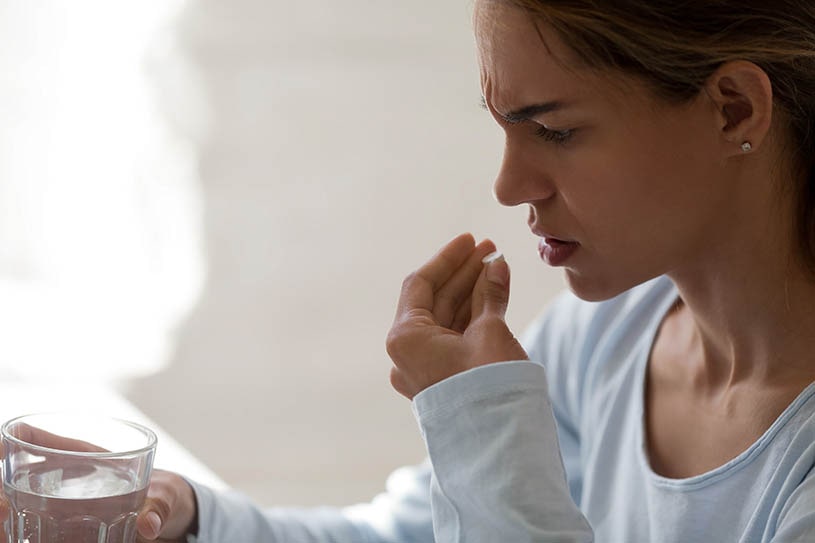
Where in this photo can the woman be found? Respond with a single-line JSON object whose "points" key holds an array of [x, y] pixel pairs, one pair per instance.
{"points": [[665, 152]]}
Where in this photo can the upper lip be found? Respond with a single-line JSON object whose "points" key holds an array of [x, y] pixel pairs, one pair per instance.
{"points": [[549, 236]]}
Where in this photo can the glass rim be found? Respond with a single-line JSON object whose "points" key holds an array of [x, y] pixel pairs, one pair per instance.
{"points": [[152, 439]]}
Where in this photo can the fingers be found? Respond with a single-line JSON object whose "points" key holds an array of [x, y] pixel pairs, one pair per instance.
{"points": [[462, 318], [491, 292], [458, 288], [425, 353], [400, 384], [140, 539], [419, 289], [149, 521], [39, 437], [169, 508]]}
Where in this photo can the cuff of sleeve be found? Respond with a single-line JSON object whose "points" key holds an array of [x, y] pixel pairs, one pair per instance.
{"points": [[205, 503], [475, 384]]}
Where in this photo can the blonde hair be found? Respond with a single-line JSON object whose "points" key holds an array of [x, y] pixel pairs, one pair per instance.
{"points": [[674, 46]]}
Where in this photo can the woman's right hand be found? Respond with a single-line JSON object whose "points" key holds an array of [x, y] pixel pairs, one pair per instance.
{"points": [[170, 510], [450, 317]]}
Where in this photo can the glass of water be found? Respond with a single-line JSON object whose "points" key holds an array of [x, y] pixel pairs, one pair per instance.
{"points": [[71, 478]]}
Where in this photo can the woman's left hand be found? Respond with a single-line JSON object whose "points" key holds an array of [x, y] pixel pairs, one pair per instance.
{"points": [[450, 317]]}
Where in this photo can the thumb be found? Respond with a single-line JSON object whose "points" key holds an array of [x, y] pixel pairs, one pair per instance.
{"points": [[491, 291], [149, 523]]}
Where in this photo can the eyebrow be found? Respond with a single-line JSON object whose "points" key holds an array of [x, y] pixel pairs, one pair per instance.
{"points": [[527, 112]]}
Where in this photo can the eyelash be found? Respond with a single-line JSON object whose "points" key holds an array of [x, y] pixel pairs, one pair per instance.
{"points": [[559, 137]]}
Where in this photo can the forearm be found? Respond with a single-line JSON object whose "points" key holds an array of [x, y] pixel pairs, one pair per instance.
{"points": [[229, 517], [498, 474], [401, 514]]}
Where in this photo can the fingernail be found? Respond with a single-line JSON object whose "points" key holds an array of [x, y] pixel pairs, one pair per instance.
{"points": [[497, 270], [492, 257], [155, 522]]}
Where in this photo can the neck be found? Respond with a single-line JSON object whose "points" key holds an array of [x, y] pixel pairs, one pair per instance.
{"points": [[749, 314]]}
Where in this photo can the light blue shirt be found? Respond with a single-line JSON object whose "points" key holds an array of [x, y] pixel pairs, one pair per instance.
{"points": [[504, 471]]}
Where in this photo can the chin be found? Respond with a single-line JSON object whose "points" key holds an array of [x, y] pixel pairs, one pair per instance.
{"points": [[598, 288]]}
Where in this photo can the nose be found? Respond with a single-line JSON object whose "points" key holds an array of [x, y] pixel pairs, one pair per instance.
{"points": [[520, 179]]}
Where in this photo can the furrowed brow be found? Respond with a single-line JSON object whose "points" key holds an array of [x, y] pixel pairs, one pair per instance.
{"points": [[527, 112]]}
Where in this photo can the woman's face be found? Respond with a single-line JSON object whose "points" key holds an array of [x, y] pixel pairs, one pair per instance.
{"points": [[621, 187]]}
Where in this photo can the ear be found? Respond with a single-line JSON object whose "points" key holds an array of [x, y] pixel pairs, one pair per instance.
{"points": [[743, 96]]}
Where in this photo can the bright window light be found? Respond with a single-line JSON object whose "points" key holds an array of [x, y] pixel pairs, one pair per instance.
{"points": [[100, 251]]}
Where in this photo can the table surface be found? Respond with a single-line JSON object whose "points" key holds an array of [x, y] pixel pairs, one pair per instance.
{"points": [[23, 398]]}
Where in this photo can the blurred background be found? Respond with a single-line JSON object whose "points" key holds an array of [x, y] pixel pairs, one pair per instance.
{"points": [[210, 206]]}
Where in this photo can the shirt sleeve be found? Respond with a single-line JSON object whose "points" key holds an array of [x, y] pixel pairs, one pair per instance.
{"points": [[518, 470], [497, 470], [401, 514], [552, 341]]}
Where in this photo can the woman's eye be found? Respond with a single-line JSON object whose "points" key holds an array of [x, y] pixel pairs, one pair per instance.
{"points": [[555, 136]]}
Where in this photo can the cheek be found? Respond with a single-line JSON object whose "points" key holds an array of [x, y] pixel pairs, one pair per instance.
{"points": [[638, 183], [632, 198]]}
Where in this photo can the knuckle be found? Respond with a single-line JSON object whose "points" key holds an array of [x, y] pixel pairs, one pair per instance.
{"points": [[392, 343], [397, 382], [409, 280], [495, 296], [162, 506], [401, 384], [495, 292], [396, 342]]}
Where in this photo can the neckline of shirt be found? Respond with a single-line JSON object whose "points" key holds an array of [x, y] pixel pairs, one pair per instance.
{"points": [[740, 461]]}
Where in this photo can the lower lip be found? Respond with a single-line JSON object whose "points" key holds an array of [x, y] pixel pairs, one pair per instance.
{"points": [[556, 253]]}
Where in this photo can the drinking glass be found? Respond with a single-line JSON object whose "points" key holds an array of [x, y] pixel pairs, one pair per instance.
{"points": [[74, 478]]}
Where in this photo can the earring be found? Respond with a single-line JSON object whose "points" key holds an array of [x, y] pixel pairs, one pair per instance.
{"points": [[746, 147]]}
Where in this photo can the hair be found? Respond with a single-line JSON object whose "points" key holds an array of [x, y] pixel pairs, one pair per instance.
{"points": [[675, 46]]}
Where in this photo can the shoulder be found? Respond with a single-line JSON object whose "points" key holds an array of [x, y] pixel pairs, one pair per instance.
{"points": [[790, 464]]}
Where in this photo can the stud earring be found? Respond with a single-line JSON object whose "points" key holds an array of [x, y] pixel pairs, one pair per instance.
{"points": [[746, 147]]}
